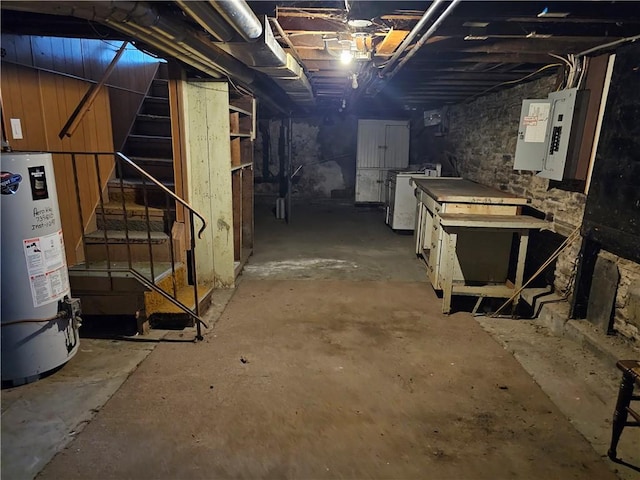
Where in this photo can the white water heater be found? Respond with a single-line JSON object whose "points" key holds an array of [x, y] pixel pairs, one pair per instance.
{"points": [[39, 319]]}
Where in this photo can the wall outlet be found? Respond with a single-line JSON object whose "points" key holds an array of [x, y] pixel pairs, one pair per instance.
{"points": [[16, 129]]}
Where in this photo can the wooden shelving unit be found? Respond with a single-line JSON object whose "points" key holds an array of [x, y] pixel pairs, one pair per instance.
{"points": [[242, 130]]}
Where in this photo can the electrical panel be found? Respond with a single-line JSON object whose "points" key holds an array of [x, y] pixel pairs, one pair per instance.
{"points": [[550, 132], [565, 131], [532, 135]]}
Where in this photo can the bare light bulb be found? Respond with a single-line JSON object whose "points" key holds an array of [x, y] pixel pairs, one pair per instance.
{"points": [[345, 57]]}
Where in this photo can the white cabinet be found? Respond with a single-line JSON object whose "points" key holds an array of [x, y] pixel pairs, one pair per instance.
{"points": [[383, 145], [400, 201]]}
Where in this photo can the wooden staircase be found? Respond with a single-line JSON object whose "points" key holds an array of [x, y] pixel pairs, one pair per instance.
{"points": [[131, 247]]}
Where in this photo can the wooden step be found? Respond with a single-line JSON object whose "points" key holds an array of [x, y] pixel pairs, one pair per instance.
{"points": [[162, 313], [156, 146], [118, 250], [146, 124], [133, 192], [159, 168], [88, 281], [155, 106], [163, 71], [113, 217], [159, 88]]}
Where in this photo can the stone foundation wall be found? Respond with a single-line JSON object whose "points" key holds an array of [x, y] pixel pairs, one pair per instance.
{"points": [[626, 318], [480, 142], [326, 150]]}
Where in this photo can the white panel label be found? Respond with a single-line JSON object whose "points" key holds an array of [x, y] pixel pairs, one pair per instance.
{"points": [[46, 267], [535, 123]]}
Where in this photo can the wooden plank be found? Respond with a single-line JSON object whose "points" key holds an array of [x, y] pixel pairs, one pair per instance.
{"points": [[594, 83], [391, 42], [247, 209], [236, 187], [465, 191], [236, 155], [492, 221], [480, 209], [208, 162]]}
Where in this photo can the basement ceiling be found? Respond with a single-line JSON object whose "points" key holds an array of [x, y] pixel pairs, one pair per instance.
{"points": [[479, 47]]}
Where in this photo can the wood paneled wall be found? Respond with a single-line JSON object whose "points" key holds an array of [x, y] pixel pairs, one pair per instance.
{"points": [[88, 59], [43, 102]]}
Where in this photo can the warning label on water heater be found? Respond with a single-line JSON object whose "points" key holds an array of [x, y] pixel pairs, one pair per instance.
{"points": [[47, 268]]}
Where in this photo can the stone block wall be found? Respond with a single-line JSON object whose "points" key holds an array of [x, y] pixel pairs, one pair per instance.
{"points": [[480, 142], [325, 147], [482, 137]]}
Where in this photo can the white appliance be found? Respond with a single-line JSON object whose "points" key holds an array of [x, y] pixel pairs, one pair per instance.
{"points": [[39, 319], [400, 201], [383, 145]]}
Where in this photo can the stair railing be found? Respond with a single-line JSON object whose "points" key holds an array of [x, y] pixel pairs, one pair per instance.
{"points": [[149, 279]]}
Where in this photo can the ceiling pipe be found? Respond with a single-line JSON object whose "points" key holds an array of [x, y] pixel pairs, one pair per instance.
{"points": [[240, 17], [424, 38], [412, 34], [208, 19]]}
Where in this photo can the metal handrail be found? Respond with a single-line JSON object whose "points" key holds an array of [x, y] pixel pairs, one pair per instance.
{"points": [[165, 190], [120, 161]]}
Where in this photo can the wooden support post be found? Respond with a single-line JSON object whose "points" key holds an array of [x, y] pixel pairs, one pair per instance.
{"points": [[447, 287]]}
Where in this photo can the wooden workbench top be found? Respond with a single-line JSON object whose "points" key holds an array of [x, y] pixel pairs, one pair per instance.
{"points": [[460, 190]]}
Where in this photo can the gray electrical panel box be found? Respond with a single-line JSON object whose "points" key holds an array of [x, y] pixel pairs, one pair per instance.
{"points": [[550, 132], [532, 135]]}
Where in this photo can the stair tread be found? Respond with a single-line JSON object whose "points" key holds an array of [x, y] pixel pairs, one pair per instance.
{"points": [[156, 99], [138, 136], [141, 159], [117, 236], [160, 269], [116, 207], [151, 116], [185, 296], [134, 182]]}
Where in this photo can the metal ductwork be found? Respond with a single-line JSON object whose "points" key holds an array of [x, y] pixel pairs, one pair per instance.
{"points": [[208, 19], [240, 17], [267, 56], [168, 34], [264, 53]]}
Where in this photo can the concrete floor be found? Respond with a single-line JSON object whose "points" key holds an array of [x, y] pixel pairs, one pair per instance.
{"points": [[352, 373]]}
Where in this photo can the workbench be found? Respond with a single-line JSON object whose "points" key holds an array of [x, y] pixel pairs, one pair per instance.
{"points": [[464, 233]]}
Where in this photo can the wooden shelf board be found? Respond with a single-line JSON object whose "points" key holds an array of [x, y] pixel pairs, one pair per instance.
{"points": [[241, 166], [233, 108]]}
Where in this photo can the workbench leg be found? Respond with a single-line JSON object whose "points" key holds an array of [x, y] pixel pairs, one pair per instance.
{"points": [[419, 229], [447, 287], [522, 256]]}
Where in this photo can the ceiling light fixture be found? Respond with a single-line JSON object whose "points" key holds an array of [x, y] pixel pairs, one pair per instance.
{"points": [[345, 57], [359, 23], [476, 37]]}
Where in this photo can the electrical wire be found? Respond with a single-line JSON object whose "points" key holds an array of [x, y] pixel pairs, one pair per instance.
{"points": [[551, 65], [585, 66]]}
